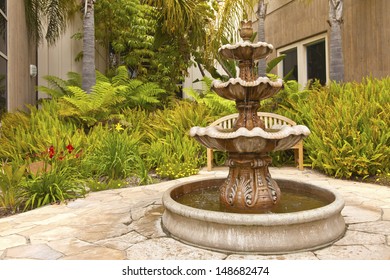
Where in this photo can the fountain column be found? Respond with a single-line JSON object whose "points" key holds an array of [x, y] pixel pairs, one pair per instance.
{"points": [[249, 185]]}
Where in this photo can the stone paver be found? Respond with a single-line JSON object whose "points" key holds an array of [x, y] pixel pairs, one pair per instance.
{"points": [[126, 224], [354, 252], [293, 256], [386, 213], [169, 249], [12, 241], [358, 214], [352, 237], [32, 251]]}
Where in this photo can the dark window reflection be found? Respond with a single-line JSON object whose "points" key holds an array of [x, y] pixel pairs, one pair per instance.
{"points": [[3, 6], [316, 62], [290, 65], [3, 34]]}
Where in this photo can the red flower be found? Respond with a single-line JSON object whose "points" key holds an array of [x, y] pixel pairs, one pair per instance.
{"points": [[69, 148], [51, 152]]}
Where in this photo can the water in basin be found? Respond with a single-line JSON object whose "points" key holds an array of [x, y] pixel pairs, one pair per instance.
{"points": [[291, 201]]}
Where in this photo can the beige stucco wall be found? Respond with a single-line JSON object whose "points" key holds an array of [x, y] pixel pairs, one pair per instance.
{"points": [[59, 59], [366, 38], [366, 32], [21, 86]]}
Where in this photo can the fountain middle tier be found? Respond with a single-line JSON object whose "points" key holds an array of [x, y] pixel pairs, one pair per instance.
{"points": [[238, 89]]}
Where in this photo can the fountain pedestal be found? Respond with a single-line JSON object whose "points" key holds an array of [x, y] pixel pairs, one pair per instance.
{"points": [[249, 185]]}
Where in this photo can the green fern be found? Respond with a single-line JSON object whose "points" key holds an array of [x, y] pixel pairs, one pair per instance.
{"points": [[135, 92], [89, 109], [58, 87]]}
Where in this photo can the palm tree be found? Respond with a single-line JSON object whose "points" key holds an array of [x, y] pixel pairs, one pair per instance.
{"points": [[53, 13], [261, 14], [88, 71], [336, 62]]}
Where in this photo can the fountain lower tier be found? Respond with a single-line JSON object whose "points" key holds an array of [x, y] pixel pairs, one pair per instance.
{"points": [[249, 185], [243, 140], [254, 233]]}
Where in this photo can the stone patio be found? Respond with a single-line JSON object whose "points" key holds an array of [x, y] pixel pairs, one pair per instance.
{"points": [[125, 224]]}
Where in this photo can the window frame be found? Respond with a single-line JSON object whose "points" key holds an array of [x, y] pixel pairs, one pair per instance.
{"points": [[301, 47]]}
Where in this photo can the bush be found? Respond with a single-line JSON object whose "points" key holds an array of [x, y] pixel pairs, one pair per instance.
{"points": [[11, 178], [114, 153], [349, 126], [54, 176], [171, 150]]}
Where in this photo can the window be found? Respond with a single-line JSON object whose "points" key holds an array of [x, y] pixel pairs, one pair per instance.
{"points": [[3, 56], [306, 60], [290, 64], [3, 6], [3, 34], [316, 62]]}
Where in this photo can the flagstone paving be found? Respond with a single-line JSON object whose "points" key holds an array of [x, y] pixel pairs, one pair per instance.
{"points": [[126, 224]]}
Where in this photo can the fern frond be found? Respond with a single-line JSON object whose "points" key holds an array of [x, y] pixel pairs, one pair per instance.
{"points": [[101, 77], [74, 79], [121, 77]]}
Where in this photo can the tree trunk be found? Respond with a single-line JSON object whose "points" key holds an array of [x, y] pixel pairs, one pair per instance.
{"points": [[336, 61], [261, 14], [89, 75]]}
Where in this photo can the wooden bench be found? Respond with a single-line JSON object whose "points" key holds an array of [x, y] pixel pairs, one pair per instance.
{"points": [[270, 120]]}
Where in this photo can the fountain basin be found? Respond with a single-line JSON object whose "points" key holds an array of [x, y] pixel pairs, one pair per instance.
{"points": [[244, 140], [254, 233]]}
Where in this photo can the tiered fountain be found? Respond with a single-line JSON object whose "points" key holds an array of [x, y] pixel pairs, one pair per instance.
{"points": [[251, 214]]}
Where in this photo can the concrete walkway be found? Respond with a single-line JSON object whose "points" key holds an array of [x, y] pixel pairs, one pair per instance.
{"points": [[126, 224]]}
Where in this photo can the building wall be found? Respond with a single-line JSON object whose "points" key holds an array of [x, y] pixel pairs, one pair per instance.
{"points": [[59, 59], [366, 32], [366, 38], [21, 54]]}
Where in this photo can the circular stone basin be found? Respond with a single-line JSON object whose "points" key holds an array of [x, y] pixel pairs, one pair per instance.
{"points": [[266, 233]]}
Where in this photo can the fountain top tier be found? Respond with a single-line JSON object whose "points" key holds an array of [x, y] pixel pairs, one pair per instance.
{"points": [[248, 86], [246, 50]]}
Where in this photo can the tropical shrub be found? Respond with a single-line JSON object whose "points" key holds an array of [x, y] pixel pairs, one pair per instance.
{"points": [[106, 100], [102, 185], [114, 153], [54, 176], [11, 177], [24, 135], [349, 126], [170, 146], [59, 184]]}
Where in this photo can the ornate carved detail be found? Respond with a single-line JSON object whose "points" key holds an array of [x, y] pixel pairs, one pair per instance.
{"points": [[271, 184], [249, 184]]}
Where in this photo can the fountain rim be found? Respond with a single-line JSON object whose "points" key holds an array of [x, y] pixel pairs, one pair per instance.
{"points": [[242, 219], [246, 44], [220, 133], [260, 80]]}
